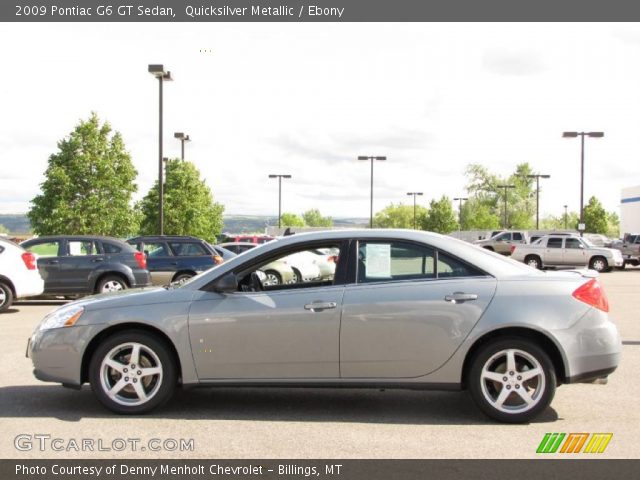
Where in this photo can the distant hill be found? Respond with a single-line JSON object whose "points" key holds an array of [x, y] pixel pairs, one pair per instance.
{"points": [[19, 223]]}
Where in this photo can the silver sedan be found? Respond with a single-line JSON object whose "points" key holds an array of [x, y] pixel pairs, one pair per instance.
{"points": [[404, 309]]}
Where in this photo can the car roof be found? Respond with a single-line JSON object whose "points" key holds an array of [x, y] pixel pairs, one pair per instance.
{"points": [[164, 237], [225, 244], [73, 237]]}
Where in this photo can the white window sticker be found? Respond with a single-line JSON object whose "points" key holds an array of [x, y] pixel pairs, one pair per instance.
{"points": [[378, 259]]}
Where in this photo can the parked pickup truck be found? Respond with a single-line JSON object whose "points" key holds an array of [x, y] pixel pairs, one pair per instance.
{"points": [[503, 241], [567, 250], [630, 249]]}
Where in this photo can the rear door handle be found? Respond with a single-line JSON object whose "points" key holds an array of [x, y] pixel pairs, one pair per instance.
{"points": [[99, 259], [319, 306], [460, 297], [52, 262]]}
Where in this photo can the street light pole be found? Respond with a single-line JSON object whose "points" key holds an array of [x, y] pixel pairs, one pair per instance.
{"points": [[279, 177], [538, 176], [565, 216], [460, 200], [505, 202], [371, 158], [183, 138], [582, 135], [159, 72], [414, 206]]}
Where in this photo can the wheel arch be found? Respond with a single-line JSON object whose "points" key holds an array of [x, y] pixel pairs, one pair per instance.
{"points": [[9, 283], [541, 339], [95, 341]]}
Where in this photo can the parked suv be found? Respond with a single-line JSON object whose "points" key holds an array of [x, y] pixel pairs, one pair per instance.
{"points": [[630, 249], [19, 276], [175, 258], [502, 242], [81, 264]]}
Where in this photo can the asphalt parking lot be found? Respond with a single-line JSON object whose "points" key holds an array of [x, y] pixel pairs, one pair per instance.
{"points": [[315, 423]]}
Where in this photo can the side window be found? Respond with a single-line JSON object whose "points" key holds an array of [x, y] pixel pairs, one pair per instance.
{"points": [[110, 248], [554, 243], [517, 236], [184, 249], [44, 249], [78, 248], [385, 261], [156, 249], [449, 267], [309, 267], [504, 237], [572, 243]]}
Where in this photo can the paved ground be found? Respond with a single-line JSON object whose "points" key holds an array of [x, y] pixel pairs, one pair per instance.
{"points": [[279, 423]]}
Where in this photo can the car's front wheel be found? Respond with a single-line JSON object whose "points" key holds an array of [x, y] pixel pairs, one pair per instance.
{"points": [[599, 264], [132, 372], [6, 296], [533, 261], [512, 380], [111, 283]]}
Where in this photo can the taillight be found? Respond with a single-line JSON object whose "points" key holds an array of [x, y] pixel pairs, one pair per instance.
{"points": [[332, 259], [217, 259], [513, 248], [592, 294], [29, 260], [141, 259]]}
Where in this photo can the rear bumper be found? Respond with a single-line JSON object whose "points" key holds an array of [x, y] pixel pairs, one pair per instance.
{"points": [[29, 284], [588, 377], [141, 278]]}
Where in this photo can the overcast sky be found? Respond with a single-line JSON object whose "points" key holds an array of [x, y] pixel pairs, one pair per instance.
{"points": [[307, 99]]}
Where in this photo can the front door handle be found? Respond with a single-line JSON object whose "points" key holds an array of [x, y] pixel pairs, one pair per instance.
{"points": [[99, 259], [460, 297], [52, 262], [320, 306]]}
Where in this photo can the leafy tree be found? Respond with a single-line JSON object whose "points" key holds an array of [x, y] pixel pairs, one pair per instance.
{"points": [[441, 217], [88, 185], [399, 216], [553, 222], [3, 229], [477, 215], [613, 222], [313, 218], [189, 208], [291, 220], [595, 217]]}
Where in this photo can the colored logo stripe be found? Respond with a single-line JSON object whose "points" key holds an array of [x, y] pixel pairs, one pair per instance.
{"points": [[550, 442], [598, 442], [574, 442]]}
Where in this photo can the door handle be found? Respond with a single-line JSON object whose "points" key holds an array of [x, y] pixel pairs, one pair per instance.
{"points": [[52, 262], [174, 263], [460, 297], [99, 259], [319, 306]]}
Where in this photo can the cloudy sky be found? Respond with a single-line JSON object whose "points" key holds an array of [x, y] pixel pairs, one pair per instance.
{"points": [[307, 99]]}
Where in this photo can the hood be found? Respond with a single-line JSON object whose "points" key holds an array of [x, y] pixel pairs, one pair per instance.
{"points": [[135, 296]]}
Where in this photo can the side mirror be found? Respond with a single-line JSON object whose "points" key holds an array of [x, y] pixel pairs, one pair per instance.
{"points": [[226, 284]]}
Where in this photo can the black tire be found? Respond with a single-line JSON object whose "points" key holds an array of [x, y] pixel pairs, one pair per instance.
{"points": [[273, 277], [489, 248], [6, 296], [297, 277], [163, 387], [543, 385], [599, 264], [533, 261], [183, 276], [103, 285]]}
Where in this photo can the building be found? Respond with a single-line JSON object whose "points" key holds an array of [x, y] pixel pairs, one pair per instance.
{"points": [[630, 210]]}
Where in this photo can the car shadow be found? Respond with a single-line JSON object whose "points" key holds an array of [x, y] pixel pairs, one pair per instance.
{"points": [[409, 407], [36, 303]]}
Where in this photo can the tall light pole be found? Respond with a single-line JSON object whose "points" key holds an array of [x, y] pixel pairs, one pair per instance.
{"points": [[159, 72], [414, 206], [538, 176], [506, 187], [183, 138], [460, 200], [565, 216], [279, 177], [582, 135], [372, 158]]}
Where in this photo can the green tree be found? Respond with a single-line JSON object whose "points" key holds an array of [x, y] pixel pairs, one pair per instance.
{"points": [[313, 218], [477, 215], [292, 220], [88, 185], [553, 222], [399, 216], [3, 229], [613, 225], [595, 217], [441, 217], [189, 208]]}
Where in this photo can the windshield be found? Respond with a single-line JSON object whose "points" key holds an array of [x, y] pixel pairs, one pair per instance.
{"points": [[588, 242]]}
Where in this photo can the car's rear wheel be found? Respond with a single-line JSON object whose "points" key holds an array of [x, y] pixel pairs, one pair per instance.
{"points": [[111, 283], [182, 277], [533, 261], [273, 278], [512, 380], [132, 372], [6, 296], [599, 264], [297, 277]]}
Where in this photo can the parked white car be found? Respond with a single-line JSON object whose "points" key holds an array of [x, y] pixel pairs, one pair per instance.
{"points": [[304, 266], [19, 275]]}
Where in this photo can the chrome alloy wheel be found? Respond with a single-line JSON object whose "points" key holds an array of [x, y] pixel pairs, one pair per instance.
{"points": [[512, 381], [131, 374], [272, 279], [3, 297], [599, 265], [112, 286]]}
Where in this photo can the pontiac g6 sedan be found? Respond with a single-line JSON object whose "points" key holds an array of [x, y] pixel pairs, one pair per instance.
{"points": [[404, 309]]}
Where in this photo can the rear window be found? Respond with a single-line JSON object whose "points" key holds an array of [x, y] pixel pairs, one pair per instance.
{"points": [[183, 249], [111, 248], [517, 236], [44, 249]]}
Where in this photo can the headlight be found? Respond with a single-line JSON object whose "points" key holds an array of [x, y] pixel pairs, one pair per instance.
{"points": [[63, 317]]}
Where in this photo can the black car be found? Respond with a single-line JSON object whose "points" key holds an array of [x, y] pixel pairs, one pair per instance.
{"points": [[173, 258], [83, 264]]}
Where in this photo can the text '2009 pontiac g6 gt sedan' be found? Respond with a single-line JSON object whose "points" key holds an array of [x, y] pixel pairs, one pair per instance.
{"points": [[404, 309]]}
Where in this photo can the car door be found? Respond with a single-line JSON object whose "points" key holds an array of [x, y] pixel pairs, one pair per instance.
{"points": [[80, 257], [408, 310], [191, 256], [162, 265], [289, 331], [503, 243], [574, 252], [554, 252], [48, 253]]}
